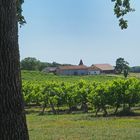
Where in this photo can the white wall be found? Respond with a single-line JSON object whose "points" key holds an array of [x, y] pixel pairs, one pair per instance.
{"points": [[94, 72]]}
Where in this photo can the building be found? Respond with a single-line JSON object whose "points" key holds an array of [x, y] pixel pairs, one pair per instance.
{"points": [[49, 70], [101, 68], [72, 70], [80, 69], [93, 70]]}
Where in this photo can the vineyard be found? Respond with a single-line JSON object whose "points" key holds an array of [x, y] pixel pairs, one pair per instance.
{"points": [[39, 76], [57, 96]]}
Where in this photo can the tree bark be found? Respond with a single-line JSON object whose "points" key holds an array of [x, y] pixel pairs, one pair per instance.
{"points": [[12, 116]]}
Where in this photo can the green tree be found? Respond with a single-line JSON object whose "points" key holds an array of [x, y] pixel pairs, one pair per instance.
{"points": [[121, 8], [121, 65], [19, 15], [30, 63], [126, 72], [44, 65]]}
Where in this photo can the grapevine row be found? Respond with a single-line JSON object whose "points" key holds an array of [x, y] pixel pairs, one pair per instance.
{"points": [[120, 93]]}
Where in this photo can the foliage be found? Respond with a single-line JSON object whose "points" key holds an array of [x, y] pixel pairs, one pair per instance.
{"points": [[30, 63], [47, 64], [121, 8], [40, 76], [125, 72], [99, 98], [122, 66], [123, 93], [20, 17]]}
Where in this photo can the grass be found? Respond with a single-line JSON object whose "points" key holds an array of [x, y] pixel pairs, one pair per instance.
{"points": [[39, 76], [79, 126], [137, 75], [82, 127]]}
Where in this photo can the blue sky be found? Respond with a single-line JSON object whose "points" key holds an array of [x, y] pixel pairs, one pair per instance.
{"points": [[66, 31]]}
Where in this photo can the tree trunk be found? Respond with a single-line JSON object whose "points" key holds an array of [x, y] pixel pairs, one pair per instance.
{"points": [[124, 106], [116, 110], [105, 111], [84, 107], [96, 112], [12, 115], [43, 108], [52, 107]]}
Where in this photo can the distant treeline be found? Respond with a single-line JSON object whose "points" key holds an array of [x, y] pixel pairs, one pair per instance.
{"points": [[31, 63], [135, 69]]}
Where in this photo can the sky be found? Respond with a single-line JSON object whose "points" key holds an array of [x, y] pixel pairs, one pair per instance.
{"points": [[66, 31]]}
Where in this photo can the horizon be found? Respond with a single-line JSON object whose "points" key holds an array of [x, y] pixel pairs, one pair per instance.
{"points": [[78, 63], [67, 31]]}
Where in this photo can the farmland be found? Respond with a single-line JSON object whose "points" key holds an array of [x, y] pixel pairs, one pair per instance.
{"points": [[78, 125], [82, 127], [39, 76]]}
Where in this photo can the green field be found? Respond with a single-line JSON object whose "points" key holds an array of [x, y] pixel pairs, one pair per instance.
{"points": [[78, 126], [39, 76], [82, 127]]}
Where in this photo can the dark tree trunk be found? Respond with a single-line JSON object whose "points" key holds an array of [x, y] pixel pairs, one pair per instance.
{"points": [[43, 108], [96, 112], [124, 106], [52, 107], [84, 107], [105, 111], [116, 110], [12, 115]]}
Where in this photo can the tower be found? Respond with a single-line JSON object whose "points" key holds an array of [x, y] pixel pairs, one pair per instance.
{"points": [[81, 62]]}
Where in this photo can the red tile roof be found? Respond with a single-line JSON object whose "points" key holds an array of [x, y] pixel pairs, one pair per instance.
{"points": [[93, 68], [104, 66], [73, 67]]}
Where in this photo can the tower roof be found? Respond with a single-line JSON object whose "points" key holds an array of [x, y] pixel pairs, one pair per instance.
{"points": [[81, 62]]}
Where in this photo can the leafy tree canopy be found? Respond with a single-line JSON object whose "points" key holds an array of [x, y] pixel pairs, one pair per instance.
{"points": [[121, 66], [20, 17], [121, 8], [30, 63]]}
